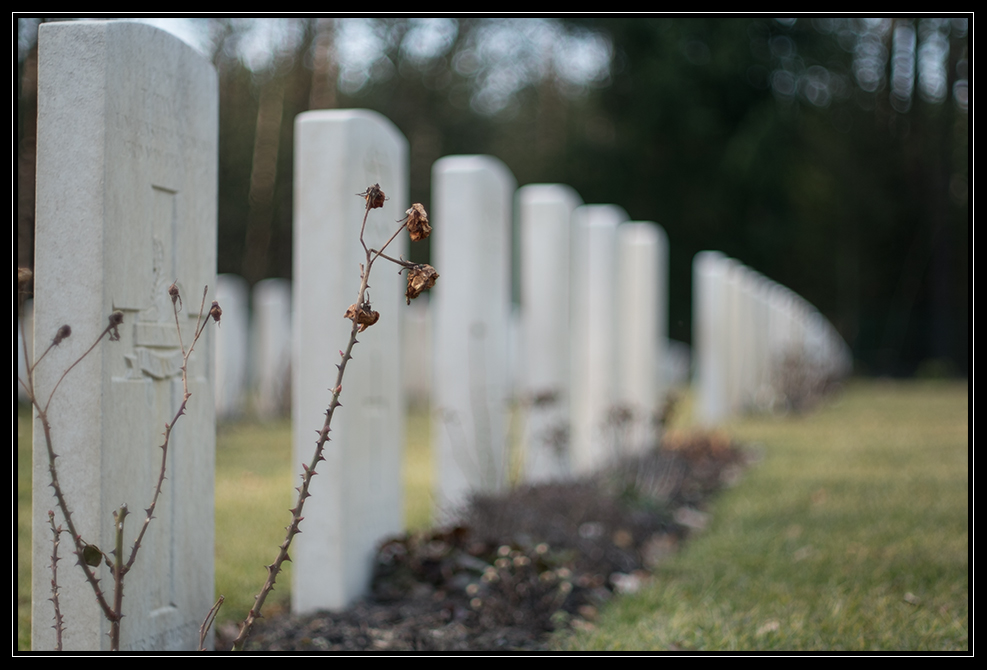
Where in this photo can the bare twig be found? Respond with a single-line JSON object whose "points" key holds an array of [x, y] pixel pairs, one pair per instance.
{"points": [[208, 622], [83, 550]]}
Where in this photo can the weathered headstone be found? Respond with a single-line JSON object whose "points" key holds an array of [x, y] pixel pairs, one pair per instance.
{"points": [[545, 211], [416, 358], [593, 317], [232, 359], [271, 347], [709, 336], [126, 204], [641, 331], [357, 497], [472, 211]]}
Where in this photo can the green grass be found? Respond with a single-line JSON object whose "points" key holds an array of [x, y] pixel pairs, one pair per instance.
{"points": [[851, 534], [254, 491], [24, 529]]}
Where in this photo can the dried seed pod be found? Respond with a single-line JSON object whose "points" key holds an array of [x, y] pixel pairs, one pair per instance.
{"points": [[374, 197], [116, 318], [63, 332], [175, 297], [362, 315], [420, 278], [418, 222]]}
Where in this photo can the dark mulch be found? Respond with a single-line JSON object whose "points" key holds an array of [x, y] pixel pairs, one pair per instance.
{"points": [[525, 563]]}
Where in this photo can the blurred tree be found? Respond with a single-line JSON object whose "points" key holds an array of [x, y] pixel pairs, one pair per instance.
{"points": [[830, 154]]}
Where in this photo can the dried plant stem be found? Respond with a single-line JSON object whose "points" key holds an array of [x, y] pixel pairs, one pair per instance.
{"points": [[80, 545], [59, 622], [119, 569], [208, 622], [200, 325], [407, 264], [310, 469]]}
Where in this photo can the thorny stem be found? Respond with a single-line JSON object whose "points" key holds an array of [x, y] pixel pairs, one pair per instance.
{"points": [[59, 622], [200, 325], [114, 614], [309, 470], [108, 612], [118, 572]]}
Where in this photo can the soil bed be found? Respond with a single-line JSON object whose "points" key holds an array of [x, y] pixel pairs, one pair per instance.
{"points": [[523, 564]]}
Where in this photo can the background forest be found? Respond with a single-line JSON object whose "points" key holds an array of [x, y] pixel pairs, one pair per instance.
{"points": [[830, 154]]}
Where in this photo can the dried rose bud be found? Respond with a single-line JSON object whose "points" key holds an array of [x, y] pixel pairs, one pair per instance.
{"points": [[374, 197], [215, 312], [116, 318], [63, 332], [420, 278], [362, 315], [175, 297], [418, 222]]}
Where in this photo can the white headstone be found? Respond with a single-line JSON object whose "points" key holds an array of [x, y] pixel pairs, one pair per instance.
{"points": [[272, 347], [641, 329], [472, 213], [546, 211], [357, 497], [759, 346], [417, 353], [593, 340], [709, 336], [126, 204], [232, 360]]}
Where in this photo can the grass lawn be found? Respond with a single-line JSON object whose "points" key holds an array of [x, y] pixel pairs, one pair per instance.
{"points": [[851, 534], [254, 491]]}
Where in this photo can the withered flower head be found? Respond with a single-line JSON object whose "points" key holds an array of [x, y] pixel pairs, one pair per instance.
{"points": [[418, 222], [362, 315], [374, 197], [63, 332], [175, 297], [116, 318], [420, 278]]}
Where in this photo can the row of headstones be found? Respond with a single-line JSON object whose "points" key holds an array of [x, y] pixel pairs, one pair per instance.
{"points": [[757, 346], [138, 109], [589, 344], [253, 348]]}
